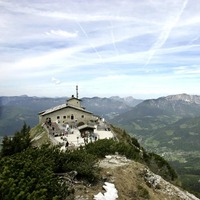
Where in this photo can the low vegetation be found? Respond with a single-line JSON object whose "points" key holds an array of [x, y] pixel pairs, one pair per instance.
{"points": [[176, 140], [19, 142], [37, 173]]}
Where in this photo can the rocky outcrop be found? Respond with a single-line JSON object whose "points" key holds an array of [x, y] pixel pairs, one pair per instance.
{"points": [[158, 184], [122, 179]]}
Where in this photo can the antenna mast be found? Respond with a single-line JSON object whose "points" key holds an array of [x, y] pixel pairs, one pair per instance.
{"points": [[77, 91]]}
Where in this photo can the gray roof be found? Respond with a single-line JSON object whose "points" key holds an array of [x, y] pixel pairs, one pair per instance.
{"points": [[85, 126], [60, 107]]}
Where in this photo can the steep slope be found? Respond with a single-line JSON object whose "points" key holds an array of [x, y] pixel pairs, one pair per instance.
{"points": [[134, 181], [170, 127], [167, 121], [183, 135], [173, 106], [179, 143]]}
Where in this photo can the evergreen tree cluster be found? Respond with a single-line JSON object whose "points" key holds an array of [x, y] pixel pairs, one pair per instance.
{"points": [[19, 142], [35, 173]]}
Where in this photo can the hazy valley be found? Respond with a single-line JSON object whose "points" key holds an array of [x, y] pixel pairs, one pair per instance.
{"points": [[170, 127]]}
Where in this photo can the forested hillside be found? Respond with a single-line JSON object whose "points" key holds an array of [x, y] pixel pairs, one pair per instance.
{"points": [[170, 127], [37, 173]]}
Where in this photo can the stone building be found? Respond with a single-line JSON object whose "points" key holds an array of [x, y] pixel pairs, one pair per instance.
{"points": [[71, 113]]}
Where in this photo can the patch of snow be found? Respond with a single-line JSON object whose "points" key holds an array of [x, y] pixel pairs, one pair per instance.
{"points": [[108, 156], [110, 194]]}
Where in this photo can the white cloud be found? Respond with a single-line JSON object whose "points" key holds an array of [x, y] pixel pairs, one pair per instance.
{"points": [[55, 81], [188, 70], [61, 33], [100, 44]]}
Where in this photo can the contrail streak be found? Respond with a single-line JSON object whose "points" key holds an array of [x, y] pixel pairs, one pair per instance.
{"points": [[113, 39], [165, 33], [86, 35]]}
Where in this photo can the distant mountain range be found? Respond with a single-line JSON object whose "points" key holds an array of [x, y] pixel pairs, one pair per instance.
{"points": [[109, 107], [16, 110], [182, 105], [169, 126], [137, 114], [167, 120]]}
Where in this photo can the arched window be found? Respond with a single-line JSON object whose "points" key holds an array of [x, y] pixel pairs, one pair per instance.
{"points": [[72, 117]]}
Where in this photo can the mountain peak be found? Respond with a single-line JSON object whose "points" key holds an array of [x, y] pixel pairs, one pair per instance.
{"points": [[184, 97]]}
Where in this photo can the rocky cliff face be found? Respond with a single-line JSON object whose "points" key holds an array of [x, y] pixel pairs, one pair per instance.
{"points": [[180, 105], [132, 180], [184, 97]]}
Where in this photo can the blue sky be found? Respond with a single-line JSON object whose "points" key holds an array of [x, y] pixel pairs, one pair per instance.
{"points": [[145, 49]]}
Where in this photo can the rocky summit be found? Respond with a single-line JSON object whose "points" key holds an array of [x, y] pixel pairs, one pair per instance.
{"points": [[132, 180]]}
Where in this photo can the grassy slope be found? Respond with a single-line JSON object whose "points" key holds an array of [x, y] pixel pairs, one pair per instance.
{"points": [[39, 136], [177, 142]]}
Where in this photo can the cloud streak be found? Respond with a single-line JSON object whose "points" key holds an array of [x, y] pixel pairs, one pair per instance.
{"points": [[61, 33], [120, 47], [165, 32]]}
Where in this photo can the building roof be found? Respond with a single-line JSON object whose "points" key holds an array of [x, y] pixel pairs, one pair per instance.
{"points": [[60, 107], [73, 98], [85, 126]]}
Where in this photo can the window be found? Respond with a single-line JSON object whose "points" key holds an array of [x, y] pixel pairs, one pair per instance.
{"points": [[64, 117], [58, 117], [68, 116], [72, 117], [82, 116]]}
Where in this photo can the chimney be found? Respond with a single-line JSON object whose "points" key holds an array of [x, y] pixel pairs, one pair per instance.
{"points": [[77, 91]]}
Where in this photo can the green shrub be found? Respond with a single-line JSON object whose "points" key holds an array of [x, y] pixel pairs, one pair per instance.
{"points": [[29, 175], [18, 143], [104, 147], [160, 166], [83, 163], [101, 148], [131, 148], [142, 192]]}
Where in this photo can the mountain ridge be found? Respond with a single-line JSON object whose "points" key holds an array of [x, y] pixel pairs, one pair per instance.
{"points": [[184, 97], [155, 122], [20, 109], [169, 126], [107, 108], [181, 105]]}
